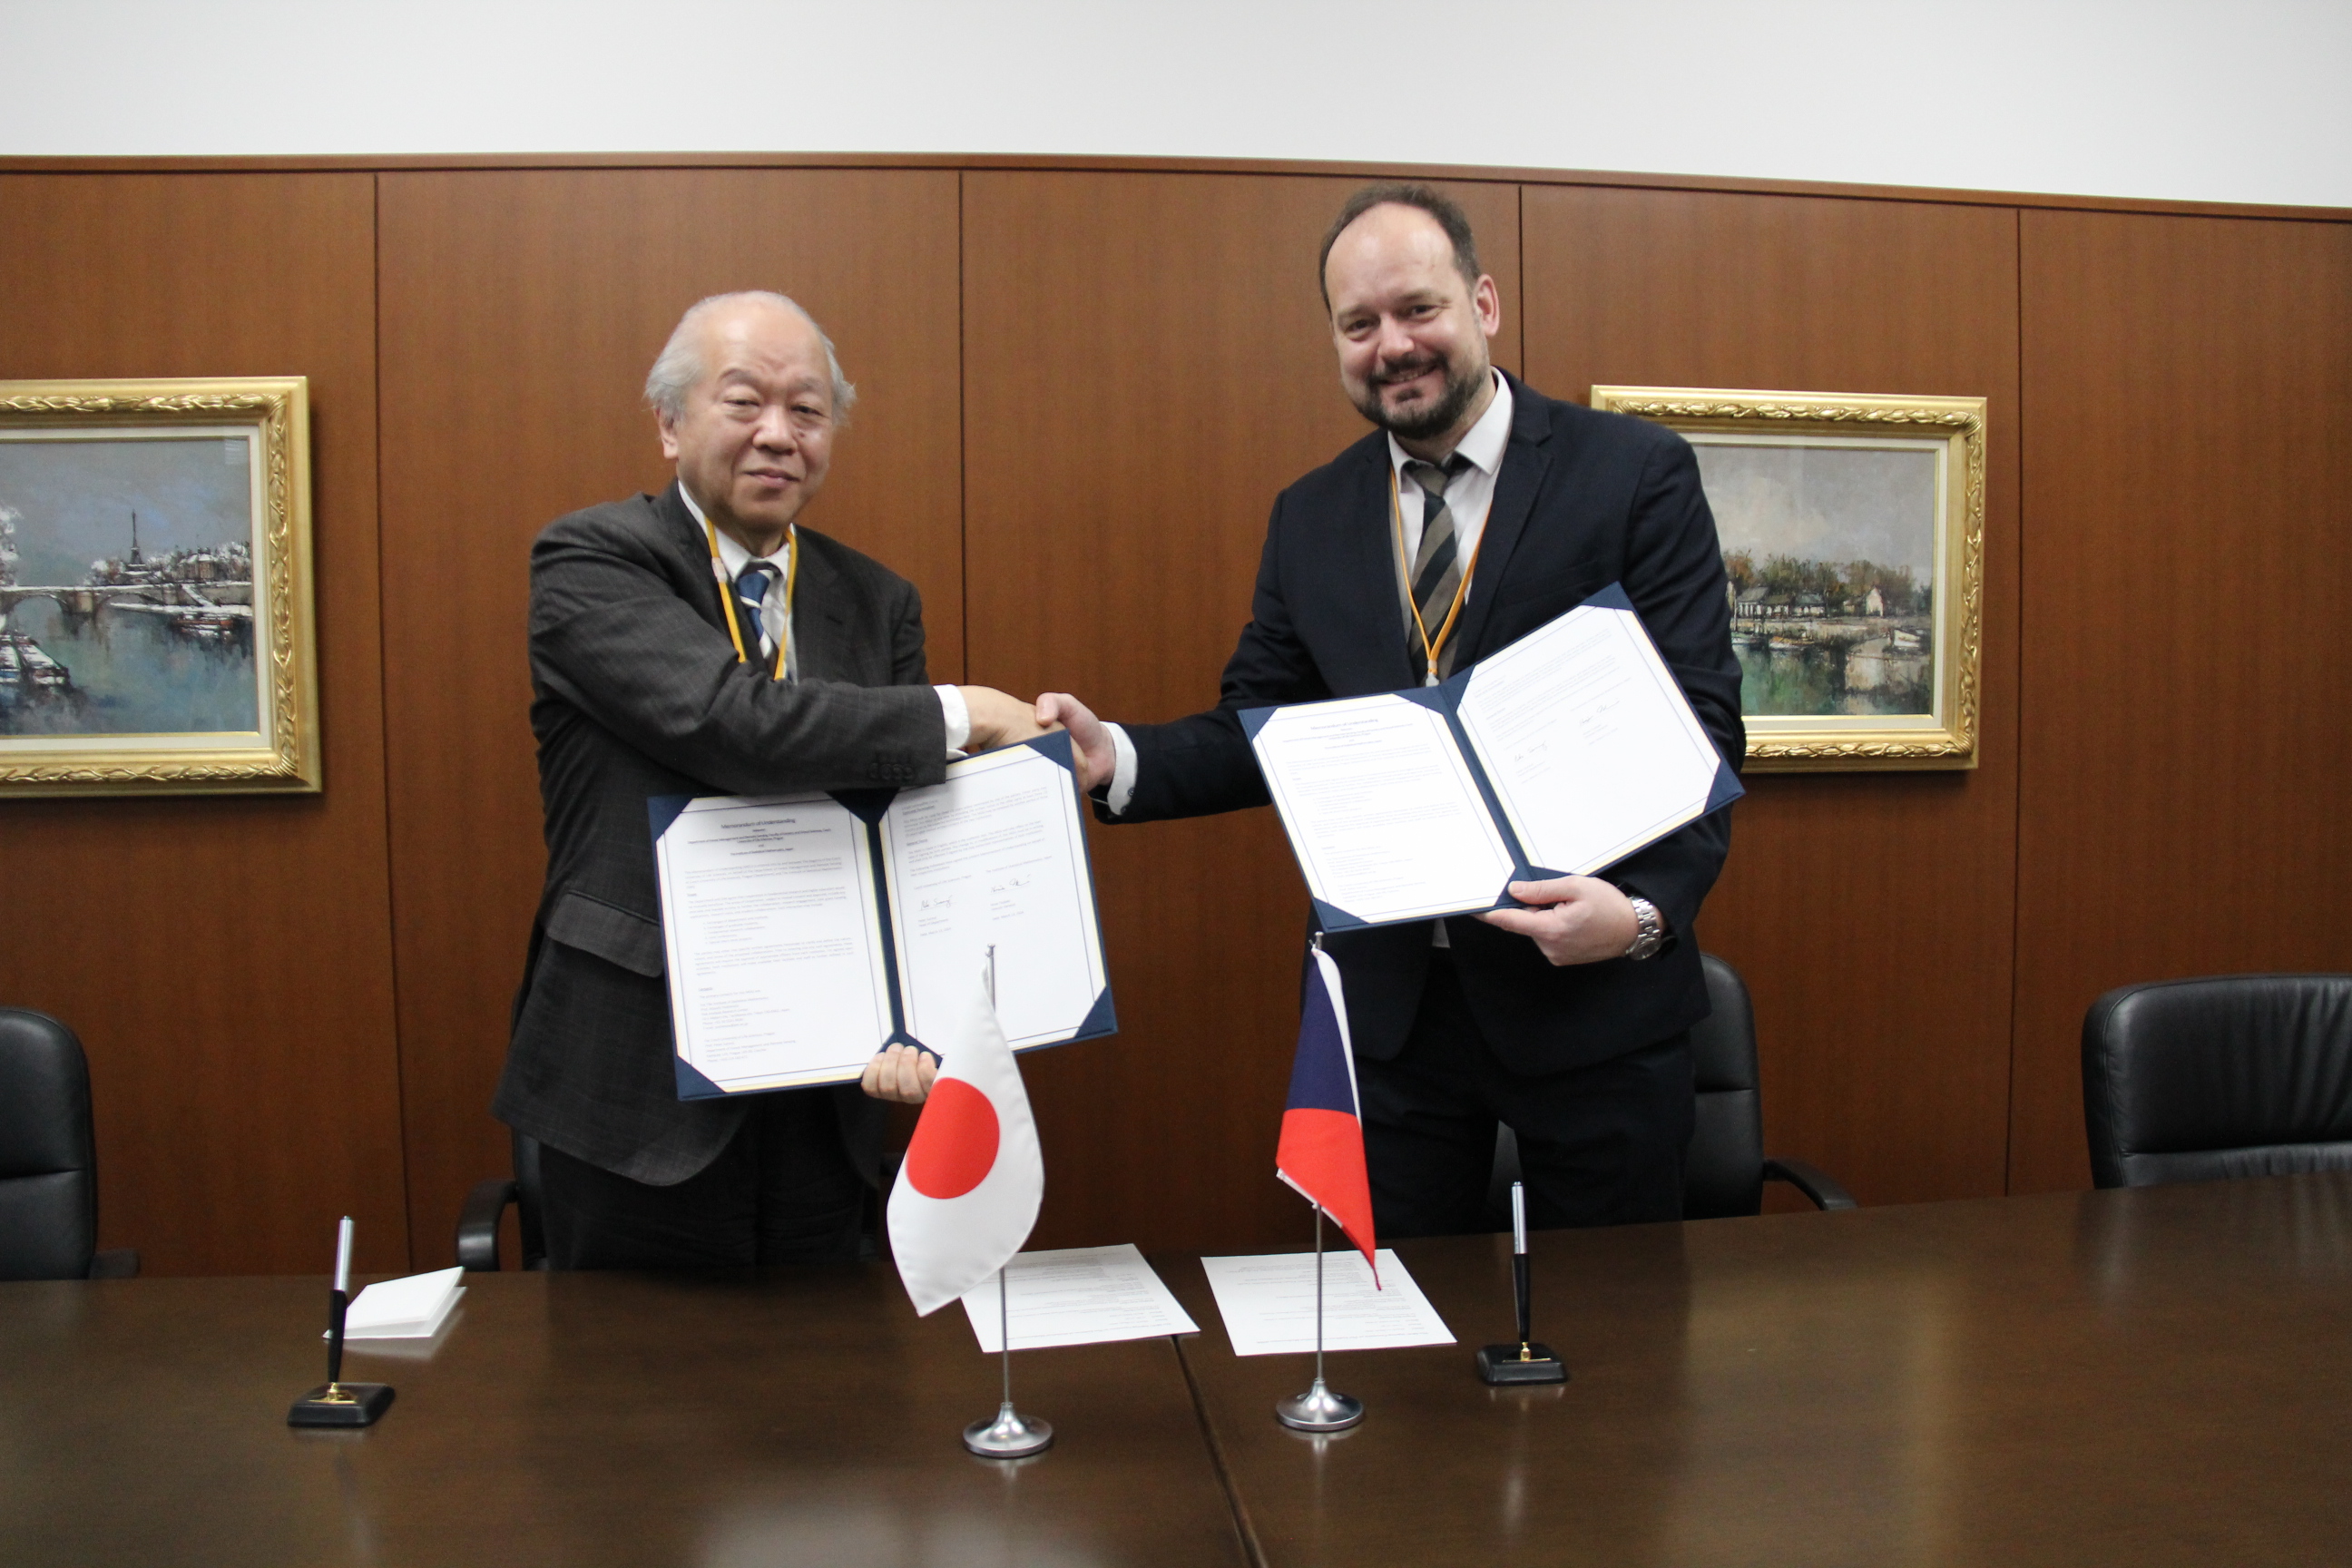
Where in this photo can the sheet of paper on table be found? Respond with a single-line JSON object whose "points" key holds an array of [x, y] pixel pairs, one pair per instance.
{"points": [[1076, 1296], [1269, 1303], [412, 1308]]}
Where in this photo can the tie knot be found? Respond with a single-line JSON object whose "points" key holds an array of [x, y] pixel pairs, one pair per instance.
{"points": [[751, 584], [1434, 477]]}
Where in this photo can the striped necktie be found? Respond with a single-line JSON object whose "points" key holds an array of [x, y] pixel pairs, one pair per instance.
{"points": [[1437, 564], [751, 586]]}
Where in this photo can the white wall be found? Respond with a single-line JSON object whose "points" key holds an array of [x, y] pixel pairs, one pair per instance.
{"points": [[2245, 101]]}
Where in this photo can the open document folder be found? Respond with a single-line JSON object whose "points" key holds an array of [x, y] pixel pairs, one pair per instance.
{"points": [[1559, 756], [805, 932]]}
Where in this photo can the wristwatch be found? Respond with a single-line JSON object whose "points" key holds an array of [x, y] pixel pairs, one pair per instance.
{"points": [[1649, 929]]}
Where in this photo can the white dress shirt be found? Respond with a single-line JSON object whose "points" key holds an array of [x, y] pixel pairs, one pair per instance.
{"points": [[1469, 495], [776, 614]]}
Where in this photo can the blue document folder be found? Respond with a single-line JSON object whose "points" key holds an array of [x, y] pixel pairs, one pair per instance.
{"points": [[800, 942]]}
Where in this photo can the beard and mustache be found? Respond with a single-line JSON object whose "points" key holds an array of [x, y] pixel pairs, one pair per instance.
{"points": [[1461, 385]]}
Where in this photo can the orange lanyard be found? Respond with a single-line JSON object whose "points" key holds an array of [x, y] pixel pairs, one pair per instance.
{"points": [[727, 594], [1430, 647]]}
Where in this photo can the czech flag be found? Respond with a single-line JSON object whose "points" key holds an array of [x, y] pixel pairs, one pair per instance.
{"points": [[1322, 1147], [968, 1189]]}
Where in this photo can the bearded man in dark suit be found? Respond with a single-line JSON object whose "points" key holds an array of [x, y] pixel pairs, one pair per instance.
{"points": [[1482, 504], [701, 642]]}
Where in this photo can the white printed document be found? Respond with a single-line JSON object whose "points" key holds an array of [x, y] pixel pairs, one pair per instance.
{"points": [[996, 856], [803, 933], [1076, 1296], [1382, 809], [1561, 754], [1269, 1303]]}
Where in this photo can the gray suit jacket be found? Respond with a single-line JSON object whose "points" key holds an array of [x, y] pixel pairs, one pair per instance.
{"points": [[637, 692]]}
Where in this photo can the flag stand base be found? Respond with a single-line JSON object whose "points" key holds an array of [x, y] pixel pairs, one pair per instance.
{"points": [[1011, 1436], [1318, 1410]]}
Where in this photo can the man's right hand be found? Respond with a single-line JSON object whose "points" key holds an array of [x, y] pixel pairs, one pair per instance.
{"points": [[1089, 737], [998, 718]]}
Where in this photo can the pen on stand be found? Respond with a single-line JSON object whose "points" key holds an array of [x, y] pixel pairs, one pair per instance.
{"points": [[338, 1302], [336, 1403], [1519, 1266], [1525, 1362]]}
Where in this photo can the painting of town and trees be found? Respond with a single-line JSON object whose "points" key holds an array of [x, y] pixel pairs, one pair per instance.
{"points": [[1831, 551], [126, 583]]}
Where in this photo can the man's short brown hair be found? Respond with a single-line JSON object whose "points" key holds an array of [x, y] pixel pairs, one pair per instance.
{"points": [[1404, 194]]}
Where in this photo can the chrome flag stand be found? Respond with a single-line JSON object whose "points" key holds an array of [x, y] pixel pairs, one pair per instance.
{"points": [[1319, 1409], [1011, 1436]]}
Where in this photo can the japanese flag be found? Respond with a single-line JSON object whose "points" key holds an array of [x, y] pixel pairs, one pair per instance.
{"points": [[968, 1189]]}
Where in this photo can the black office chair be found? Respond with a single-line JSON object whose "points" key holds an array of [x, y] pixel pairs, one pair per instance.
{"points": [[1725, 1168], [2238, 1075], [48, 1157], [485, 1206]]}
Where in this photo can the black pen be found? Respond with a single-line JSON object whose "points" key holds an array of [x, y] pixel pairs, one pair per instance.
{"points": [[339, 1301], [1520, 1266]]}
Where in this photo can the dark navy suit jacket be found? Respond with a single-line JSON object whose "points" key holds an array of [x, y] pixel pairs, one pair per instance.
{"points": [[1584, 499]]}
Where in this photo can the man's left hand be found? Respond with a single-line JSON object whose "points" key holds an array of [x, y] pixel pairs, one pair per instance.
{"points": [[901, 1073], [1579, 920]]}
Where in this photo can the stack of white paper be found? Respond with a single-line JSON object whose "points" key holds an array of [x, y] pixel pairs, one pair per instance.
{"points": [[1076, 1296], [1269, 1303], [409, 1309]]}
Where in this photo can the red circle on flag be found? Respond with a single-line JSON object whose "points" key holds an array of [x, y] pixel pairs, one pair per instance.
{"points": [[954, 1145]]}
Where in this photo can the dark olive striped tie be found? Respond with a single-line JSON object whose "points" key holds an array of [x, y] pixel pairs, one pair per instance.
{"points": [[1437, 564]]}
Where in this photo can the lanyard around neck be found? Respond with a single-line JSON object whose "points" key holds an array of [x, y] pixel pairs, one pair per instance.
{"points": [[1430, 647], [727, 594]]}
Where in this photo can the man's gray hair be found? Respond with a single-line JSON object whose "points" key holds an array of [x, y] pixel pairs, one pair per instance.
{"points": [[680, 365]]}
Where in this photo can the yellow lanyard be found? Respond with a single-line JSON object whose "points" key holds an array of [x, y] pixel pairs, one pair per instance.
{"points": [[1429, 648], [727, 594]]}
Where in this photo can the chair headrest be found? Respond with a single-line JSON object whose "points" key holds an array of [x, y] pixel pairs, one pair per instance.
{"points": [[44, 1095]]}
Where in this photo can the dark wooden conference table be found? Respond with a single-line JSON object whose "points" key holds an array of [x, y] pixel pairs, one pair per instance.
{"points": [[2151, 1377]]}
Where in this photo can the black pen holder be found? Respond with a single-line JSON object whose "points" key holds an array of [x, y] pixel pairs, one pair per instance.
{"points": [[1520, 1364], [341, 1404]]}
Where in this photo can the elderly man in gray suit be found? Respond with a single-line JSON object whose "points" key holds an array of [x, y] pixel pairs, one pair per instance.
{"points": [[701, 642]]}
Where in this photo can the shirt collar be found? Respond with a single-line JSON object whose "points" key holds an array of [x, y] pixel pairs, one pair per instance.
{"points": [[1486, 441], [732, 556]]}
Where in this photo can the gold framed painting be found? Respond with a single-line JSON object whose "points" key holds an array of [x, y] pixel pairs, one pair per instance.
{"points": [[1853, 535], [155, 593]]}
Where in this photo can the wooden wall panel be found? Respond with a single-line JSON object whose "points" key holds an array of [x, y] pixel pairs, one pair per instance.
{"points": [[1146, 363], [226, 959], [1870, 914], [2188, 395], [520, 311]]}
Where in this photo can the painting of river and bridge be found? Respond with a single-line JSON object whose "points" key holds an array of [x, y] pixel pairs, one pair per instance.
{"points": [[126, 584], [1831, 551]]}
